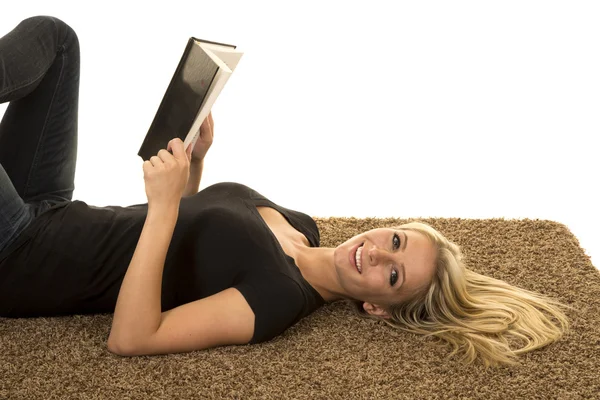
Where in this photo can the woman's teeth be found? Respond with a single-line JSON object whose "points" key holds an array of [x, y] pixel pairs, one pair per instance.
{"points": [[358, 262]]}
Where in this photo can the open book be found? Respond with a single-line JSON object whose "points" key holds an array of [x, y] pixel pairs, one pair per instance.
{"points": [[199, 78]]}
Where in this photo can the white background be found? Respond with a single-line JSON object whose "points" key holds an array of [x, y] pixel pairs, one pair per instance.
{"points": [[471, 109]]}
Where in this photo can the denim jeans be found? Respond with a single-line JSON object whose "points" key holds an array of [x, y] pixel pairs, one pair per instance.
{"points": [[39, 76]]}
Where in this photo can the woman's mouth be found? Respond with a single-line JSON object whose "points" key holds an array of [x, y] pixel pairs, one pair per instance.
{"points": [[355, 257]]}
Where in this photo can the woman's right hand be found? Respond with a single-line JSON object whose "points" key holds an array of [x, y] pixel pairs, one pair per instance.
{"points": [[166, 174]]}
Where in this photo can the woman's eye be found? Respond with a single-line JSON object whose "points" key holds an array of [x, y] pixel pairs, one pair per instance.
{"points": [[394, 277], [396, 241]]}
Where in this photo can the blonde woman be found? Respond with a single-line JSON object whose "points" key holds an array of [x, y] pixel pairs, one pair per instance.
{"points": [[191, 270]]}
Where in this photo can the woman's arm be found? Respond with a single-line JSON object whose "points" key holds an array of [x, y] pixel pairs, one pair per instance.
{"points": [[138, 311], [194, 180]]}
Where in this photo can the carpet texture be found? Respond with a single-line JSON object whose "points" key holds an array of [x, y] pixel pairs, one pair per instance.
{"points": [[332, 354]]}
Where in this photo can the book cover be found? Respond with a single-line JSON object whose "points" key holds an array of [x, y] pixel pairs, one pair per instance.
{"points": [[191, 83]]}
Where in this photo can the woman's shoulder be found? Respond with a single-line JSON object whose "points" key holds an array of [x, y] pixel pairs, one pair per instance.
{"points": [[227, 187]]}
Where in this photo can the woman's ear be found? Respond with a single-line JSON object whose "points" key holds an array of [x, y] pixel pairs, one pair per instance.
{"points": [[374, 309]]}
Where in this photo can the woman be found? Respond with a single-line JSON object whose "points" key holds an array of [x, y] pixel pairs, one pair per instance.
{"points": [[190, 271]]}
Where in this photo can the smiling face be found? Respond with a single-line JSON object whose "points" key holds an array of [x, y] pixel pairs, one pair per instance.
{"points": [[392, 264]]}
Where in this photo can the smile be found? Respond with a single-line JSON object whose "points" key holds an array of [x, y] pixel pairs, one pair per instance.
{"points": [[355, 257]]}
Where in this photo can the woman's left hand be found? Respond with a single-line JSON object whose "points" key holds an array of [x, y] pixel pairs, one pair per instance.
{"points": [[205, 139]]}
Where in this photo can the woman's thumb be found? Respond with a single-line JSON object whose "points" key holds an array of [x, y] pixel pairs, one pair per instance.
{"points": [[189, 151], [176, 147]]}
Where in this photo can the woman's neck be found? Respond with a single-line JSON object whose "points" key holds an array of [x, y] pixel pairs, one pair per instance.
{"points": [[317, 267]]}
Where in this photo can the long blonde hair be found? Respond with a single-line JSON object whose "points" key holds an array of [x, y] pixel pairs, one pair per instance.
{"points": [[474, 313]]}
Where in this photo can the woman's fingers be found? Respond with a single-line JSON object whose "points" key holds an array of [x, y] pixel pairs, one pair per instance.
{"points": [[176, 146], [207, 130], [165, 157], [155, 160], [178, 150]]}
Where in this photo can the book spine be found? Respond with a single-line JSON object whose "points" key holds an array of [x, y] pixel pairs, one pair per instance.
{"points": [[217, 43]]}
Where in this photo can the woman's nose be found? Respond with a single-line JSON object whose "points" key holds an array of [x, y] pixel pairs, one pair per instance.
{"points": [[376, 255]]}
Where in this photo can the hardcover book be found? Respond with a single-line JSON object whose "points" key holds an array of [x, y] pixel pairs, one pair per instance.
{"points": [[200, 76]]}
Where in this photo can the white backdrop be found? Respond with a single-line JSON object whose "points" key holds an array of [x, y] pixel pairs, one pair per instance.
{"points": [[469, 109]]}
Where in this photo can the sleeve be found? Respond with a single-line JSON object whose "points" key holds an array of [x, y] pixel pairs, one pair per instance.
{"points": [[277, 302]]}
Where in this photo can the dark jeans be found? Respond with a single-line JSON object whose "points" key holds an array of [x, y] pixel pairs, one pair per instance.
{"points": [[39, 75]]}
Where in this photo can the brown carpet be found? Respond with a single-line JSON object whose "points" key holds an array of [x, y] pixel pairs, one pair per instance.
{"points": [[332, 354]]}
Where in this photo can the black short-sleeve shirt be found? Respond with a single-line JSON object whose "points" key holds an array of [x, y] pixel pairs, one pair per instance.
{"points": [[73, 257]]}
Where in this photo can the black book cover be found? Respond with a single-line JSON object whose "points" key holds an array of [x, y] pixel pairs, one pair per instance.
{"points": [[182, 100]]}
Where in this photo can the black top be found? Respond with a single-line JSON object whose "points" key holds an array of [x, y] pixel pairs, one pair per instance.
{"points": [[73, 257]]}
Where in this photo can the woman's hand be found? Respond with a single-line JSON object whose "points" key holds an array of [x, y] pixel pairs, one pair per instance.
{"points": [[205, 139], [166, 174]]}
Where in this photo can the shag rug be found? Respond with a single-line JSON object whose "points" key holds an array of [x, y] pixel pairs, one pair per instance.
{"points": [[331, 354]]}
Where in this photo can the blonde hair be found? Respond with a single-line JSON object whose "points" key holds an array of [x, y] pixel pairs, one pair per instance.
{"points": [[474, 313]]}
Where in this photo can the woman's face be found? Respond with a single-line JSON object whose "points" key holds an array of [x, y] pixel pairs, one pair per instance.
{"points": [[392, 264]]}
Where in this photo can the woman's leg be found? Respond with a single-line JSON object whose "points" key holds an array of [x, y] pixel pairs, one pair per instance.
{"points": [[39, 75]]}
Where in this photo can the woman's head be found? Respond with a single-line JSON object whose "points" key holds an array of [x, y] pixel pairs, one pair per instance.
{"points": [[386, 266], [433, 261], [474, 313]]}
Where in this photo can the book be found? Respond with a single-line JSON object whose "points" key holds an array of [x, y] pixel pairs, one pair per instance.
{"points": [[198, 80]]}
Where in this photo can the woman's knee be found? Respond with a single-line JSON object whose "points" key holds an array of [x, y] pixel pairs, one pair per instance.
{"points": [[67, 36], [57, 28]]}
